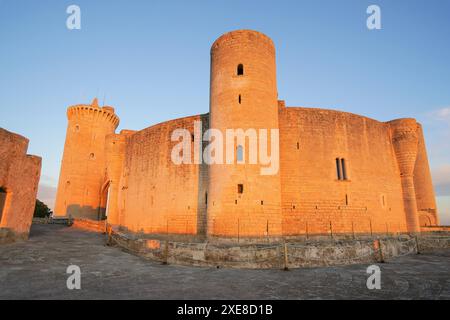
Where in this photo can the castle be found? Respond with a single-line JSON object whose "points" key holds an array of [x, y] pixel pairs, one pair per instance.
{"points": [[338, 172]]}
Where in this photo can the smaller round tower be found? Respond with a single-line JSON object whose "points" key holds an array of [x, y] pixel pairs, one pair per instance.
{"points": [[83, 165], [405, 140], [426, 199]]}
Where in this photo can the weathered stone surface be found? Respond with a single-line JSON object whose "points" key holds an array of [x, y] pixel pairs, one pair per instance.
{"points": [[19, 178]]}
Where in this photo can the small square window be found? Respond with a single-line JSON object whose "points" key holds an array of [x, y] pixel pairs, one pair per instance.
{"points": [[240, 188]]}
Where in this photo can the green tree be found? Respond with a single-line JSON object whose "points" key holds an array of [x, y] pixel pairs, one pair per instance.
{"points": [[41, 210]]}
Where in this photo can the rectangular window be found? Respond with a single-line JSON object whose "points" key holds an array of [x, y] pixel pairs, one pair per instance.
{"points": [[240, 188], [341, 169]]}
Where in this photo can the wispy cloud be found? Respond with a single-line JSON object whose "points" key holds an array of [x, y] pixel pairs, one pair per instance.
{"points": [[441, 180], [442, 114]]}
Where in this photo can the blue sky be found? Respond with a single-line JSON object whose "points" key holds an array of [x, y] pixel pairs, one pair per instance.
{"points": [[150, 60]]}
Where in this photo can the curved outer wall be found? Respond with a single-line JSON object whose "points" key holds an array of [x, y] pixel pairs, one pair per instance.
{"points": [[158, 196], [255, 212], [83, 165], [314, 199]]}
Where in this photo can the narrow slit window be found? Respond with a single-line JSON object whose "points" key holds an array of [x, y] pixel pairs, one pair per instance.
{"points": [[344, 170], [240, 99], [206, 198], [240, 188], [346, 199], [338, 169], [240, 154], [240, 70]]}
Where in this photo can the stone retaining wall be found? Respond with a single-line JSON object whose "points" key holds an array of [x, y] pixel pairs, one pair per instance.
{"points": [[85, 224], [50, 220], [276, 255], [90, 225]]}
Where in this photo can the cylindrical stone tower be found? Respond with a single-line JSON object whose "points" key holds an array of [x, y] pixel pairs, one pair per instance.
{"points": [[243, 202], [83, 165], [426, 201], [405, 141]]}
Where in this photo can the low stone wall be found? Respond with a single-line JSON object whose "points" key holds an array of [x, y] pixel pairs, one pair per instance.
{"points": [[434, 241], [85, 224], [50, 220], [275, 255], [90, 225], [436, 229]]}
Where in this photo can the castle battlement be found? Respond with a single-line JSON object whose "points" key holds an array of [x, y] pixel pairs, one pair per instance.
{"points": [[105, 113], [241, 38]]}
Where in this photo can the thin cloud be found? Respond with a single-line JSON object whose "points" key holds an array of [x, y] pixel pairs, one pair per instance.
{"points": [[442, 114], [441, 180]]}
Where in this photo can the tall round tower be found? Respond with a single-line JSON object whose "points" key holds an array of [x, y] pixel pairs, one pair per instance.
{"points": [[243, 201], [83, 165]]}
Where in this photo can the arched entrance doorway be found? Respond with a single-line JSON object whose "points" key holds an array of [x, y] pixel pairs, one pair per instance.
{"points": [[3, 195], [104, 200]]}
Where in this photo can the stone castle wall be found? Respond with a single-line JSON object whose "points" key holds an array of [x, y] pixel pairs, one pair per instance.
{"points": [[160, 197], [313, 196], [19, 178], [154, 194]]}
